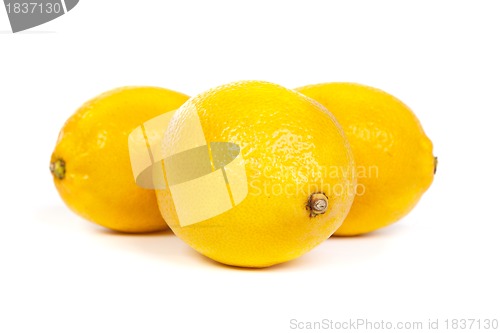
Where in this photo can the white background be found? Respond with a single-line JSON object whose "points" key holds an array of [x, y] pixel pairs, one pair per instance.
{"points": [[59, 273]]}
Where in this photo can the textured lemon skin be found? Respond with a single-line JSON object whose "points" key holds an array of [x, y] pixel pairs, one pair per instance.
{"points": [[98, 184], [395, 163], [286, 140]]}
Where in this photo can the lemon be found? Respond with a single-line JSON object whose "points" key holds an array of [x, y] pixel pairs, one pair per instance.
{"points": [[296, 182], [395, 163], [90, 163]]}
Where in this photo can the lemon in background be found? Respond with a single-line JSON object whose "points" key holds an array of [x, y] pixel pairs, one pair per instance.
{"points": [[91, 166], [394, 160]]}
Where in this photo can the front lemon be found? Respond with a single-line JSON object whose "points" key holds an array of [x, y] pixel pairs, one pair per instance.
{"points": [[394, 159], [294, 187]]}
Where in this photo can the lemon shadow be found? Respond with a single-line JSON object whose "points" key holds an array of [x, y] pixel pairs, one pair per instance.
{"points": [[389, 230], [169, 248], [361, 249], [166, 247], [220, 265]]}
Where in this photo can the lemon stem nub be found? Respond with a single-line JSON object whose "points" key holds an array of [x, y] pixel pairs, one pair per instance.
{"points": [[435, 164], [58, 168], [317, 204]]}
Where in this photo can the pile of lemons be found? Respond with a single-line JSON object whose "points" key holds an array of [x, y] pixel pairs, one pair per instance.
{"points": [[284, 169]]}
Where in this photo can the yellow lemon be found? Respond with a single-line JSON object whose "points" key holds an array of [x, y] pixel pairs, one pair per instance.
{"points": [[394, 159], [90, 163], [291, 190]]}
